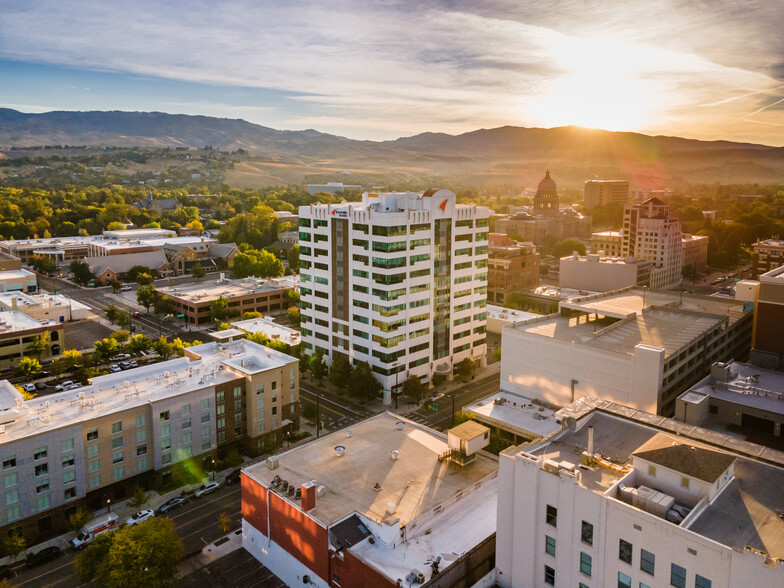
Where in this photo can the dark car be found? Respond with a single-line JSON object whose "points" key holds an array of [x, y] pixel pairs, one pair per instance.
{"points": [[43, 556], [6, 572], [232, 478], [40, 386], [171, 504]]}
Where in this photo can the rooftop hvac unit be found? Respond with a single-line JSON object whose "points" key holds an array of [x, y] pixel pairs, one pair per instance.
{"points": [[320, 491], [415, 577], [273, 462]]}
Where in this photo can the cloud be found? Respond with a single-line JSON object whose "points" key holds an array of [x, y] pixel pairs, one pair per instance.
{"points": [[396, 68]]}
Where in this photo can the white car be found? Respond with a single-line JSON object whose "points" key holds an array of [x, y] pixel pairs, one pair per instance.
{"points": [[29, 387], [126, 288], [140, 517], [114, 368], [63, 385], [206, 489]]}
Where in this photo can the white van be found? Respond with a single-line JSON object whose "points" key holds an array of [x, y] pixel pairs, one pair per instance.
{"points": [[91, 530]]}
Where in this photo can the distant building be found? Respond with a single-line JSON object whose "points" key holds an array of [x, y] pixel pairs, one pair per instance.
{"points": [[768, 255], [18, 280], [212, 256], [331, 187], [498, 317], [649, 232], [268, 327], [609, 243], [375, 506], [600, 274], [44, 307], [619, 497], [9, 262], [644, 193], [604, 192], [18, 331], [770, 316], [694, 256], [512, 267], [161, 204], [107, 268], [635, 347]]}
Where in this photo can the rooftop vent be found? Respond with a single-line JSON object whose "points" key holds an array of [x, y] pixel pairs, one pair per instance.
{"points": [[399, 425], [320, 491], [348, 432], [394, 454], [340, 450]]}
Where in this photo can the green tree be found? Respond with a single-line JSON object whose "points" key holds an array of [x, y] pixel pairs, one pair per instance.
{"points": [[294, 317], [178, 347], [81, 272], [78, 518], [145, 296], [44, 264], [317, 367], [116, 285], [363, 383], [144, 279], [39, 345], [293, 258], [116, 226], [219, 309], [120, 336], [224, 522], [413, 388], [465, 369], [135, 271], [14, 544], [340, 371], [566, 247], [71, 358], [138, 344], [197, 271], [250, 315], [137, 556], [164, 305], [163, 348], [260, 264], [106, 348], [27, 368], [139, 498], [111, 313], [123, 319]]}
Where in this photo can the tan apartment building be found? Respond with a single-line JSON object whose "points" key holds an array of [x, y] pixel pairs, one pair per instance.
{"points": [[603, 192], [18, 331], [512, 267], [768, 255]]}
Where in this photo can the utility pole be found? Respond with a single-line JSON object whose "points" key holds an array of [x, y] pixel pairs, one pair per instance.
{"points": [[318, 414]]}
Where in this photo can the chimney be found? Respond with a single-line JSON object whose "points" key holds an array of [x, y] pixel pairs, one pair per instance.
{"points": [[308, 496], [590, 441]]}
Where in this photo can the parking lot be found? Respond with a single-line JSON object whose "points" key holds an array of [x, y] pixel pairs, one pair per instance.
{"points": [[239, 568], [83, 334]]}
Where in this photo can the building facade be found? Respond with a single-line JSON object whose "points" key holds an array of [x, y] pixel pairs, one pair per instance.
{"points": [[609, 243], [19, 331], [770, 317], [599, 274], [398, 280], [695, 253], [768, 255], [603, 192], [512, 267], [649, 232]]}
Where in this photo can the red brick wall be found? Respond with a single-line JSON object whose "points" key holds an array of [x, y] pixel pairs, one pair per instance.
{"points": [[353, 573], [254, 504], [301, 536]]}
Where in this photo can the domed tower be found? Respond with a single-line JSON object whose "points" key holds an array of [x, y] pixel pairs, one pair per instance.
{"points": [[546, 199]]}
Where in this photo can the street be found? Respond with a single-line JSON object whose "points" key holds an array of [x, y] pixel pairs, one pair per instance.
{"points": [[196, 523]]}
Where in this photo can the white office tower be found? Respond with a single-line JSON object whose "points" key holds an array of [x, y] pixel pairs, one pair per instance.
{"points": [[649, 232], [398, 280]]}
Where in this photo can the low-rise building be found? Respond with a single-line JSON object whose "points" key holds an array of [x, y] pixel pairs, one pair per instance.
{"points": [[268, 327], [640, 348], [211, 255], [140, 427], [619, 497], [107, 268], [498, 317], [193, 301], [596, 273], [331, 187], [18, 331], [9, 262], [608, 243], [381, 505], [768, 255], [513, 417], [512, 267], [18, 280], [45, 307]]}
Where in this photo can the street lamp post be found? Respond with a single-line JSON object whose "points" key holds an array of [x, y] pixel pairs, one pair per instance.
{"points": [[318, 414], [395, 390], [213, 470], [160, 324], [108, 505]]}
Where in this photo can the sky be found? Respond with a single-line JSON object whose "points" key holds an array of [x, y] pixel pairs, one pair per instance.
{"points": [[704, 69]]}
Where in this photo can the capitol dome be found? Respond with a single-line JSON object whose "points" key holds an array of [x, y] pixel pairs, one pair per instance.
{"points": [[547, 184], [546, 199]]}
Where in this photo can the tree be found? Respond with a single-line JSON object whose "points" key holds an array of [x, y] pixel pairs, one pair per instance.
{"points": [[116, 285], [318, 369], [219, 309], [293, 315], [44, 264], [27, 368], [293, 258], [14, 544], [139, 498], [465, 369], [116, 226], [120, 336], [133, 273], [71, 358], [137, 556], [163, 348], [79, 518], [106, 348], [112, 313], [163, 305], [144, 279], [39, 345], [178, 347], [250, 315], [224, 522], [81, 272], [145, 296], [363, 383], [138, 344], [413, 388], [340, 371], [261, 264], [123, 319], [566, 247], [197, 271]]}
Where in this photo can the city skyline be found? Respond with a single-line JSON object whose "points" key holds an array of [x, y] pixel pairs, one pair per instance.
{"points": [[380, 71]]}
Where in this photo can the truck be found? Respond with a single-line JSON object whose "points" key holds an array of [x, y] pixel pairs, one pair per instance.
{"points": [[102, 524]]}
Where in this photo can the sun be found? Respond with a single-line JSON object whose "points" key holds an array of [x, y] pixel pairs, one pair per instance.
{"points": [[600, 84]]}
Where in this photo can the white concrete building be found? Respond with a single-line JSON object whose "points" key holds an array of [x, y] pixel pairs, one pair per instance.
{"points": [[600, 274], [649, 232], [623, 498], [268, 326], [398, 280], [44, 307], [636, 347]]}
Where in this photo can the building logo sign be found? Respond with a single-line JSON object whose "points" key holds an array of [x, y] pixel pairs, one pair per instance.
{"points": [[442, 206], [340, 213]]}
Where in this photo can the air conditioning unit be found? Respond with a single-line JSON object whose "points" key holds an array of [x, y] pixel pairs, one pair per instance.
{"points": [[415, 577]]}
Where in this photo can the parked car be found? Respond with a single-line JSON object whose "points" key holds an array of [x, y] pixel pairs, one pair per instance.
{"points": [[63, 385], [126, 365], [40, 386], [102, 524], [114, 368], [126, 288], [140, 517], [46, 554], [73, 386], [136, 313], [206, 489], [29, 387], [171, 504], [121, 357], [232, 478]]}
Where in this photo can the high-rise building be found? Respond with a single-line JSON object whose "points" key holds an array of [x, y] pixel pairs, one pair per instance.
{"points": [[649, 232], [398, 280], [694, 253], [514, 266], [603, 192]]}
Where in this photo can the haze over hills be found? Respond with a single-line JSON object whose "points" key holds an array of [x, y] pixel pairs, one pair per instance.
{"points": [[503, 155]]}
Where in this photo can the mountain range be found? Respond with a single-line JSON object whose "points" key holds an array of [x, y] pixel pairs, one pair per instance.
{"points": [[507, 154]]}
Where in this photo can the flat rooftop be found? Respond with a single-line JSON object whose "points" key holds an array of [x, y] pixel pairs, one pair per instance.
{"points": [[516, 414], [212, 289], [654, 318], [18, 274], [243, 356], [415, 483], [747, 512], [270, 328], [43, 300], [509, 314], [746, 384], [125, 243], [773, 276], [15, 320]]}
